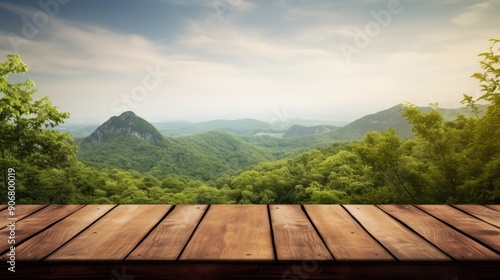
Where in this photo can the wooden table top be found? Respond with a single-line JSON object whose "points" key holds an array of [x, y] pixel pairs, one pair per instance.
{"points": [[254, 233]]}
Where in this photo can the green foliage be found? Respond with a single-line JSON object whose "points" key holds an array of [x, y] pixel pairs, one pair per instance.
{"points": [[483, 180], [28, 142], [203, 156], [449, 159]]}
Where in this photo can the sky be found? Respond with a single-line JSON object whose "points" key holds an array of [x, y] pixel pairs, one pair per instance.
{"points": [[170, 60]]}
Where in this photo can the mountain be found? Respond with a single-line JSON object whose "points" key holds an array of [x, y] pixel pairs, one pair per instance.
{"points": [[380, 121], [127, 124], [131, 143], [238, 127], [300, 130], [128, 142], [390, 118], [77, 130]]}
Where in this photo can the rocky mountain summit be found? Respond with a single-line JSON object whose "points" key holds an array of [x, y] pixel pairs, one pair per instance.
{"points": [[127, 124]]}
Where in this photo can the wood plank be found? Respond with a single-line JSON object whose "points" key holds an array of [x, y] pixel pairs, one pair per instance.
{"points": [[494, 207], [2, 207], [168, 239], [481, 212], [345, 238], [401, 242], [46, 242], [114, 236], [294, 236], [37, 222], [486, 233], [232, 232], [450, 241], [20, 212]]}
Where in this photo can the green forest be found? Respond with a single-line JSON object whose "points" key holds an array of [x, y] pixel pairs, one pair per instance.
{"points": [[444, 161]]}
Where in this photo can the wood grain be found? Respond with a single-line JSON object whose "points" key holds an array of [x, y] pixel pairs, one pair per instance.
{"points": [[481, 212], [46, 242], [168, 239], [488, 234], [20, 212], [401, 242], [345, 238], [114, 236], [37, 222], [450, 241], [494, 207], [294, 236], [232, 232]]}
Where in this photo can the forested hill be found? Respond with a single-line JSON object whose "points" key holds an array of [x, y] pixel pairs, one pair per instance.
{"points": [[392, 118], [127, 124], [452, 158], [129, 142], [247, 128]]}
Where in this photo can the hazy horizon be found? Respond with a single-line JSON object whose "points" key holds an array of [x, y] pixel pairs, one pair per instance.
{"points": [[172, 60]]}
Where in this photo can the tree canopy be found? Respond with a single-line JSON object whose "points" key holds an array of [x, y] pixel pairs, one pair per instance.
{"points": [[27, 142], [453, 161]]}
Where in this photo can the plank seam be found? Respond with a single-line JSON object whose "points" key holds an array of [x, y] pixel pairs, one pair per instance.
{"points": [[149, 232], [275, 252], [41, 230], [489, 206], [317, 231], [415, 232], [373, 237], [44, 206], [474, 216], [192, 233], [84, 229], [463, 232]]}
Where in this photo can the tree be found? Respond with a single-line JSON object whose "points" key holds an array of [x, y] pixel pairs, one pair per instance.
{"points": [[26, 124], [484, 187], [383, 153], [488, 131], [440, 143]]}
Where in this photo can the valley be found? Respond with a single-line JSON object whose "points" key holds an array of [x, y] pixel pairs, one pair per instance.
{"points": [[378, 158]]}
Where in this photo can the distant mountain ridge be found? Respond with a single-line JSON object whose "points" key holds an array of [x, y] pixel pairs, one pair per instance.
{"points": [[131, 143], [391, 118], [300, 130], [378, 121], [239, 127]]}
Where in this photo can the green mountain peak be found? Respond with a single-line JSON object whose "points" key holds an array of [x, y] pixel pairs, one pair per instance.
{"points": [[127, 124]]}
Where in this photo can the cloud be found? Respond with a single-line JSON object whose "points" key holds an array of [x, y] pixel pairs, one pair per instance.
{"points": [[240, 57], [18, 10], [63, 47], [472, 14], [209, 39]]}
